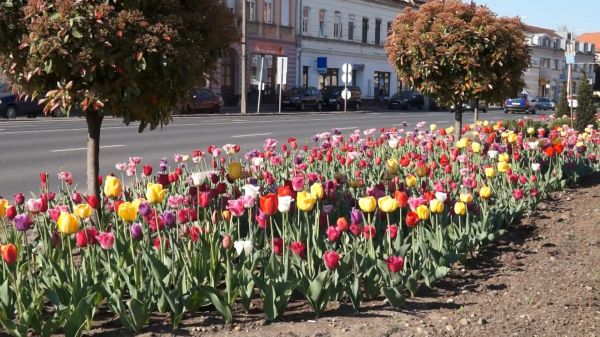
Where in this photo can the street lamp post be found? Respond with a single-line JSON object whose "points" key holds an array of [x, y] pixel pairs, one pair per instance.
{"points": [[570, 58], [244, 58]]}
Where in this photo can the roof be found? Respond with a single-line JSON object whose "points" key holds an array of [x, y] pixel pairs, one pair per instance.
{"points": [[590, 38], [539, 30]]}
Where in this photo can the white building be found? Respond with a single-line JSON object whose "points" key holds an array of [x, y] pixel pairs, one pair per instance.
{"points": [[548, 66], [334, 32]]}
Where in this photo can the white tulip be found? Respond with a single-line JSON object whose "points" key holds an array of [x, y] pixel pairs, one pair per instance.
{"points": [[243, 246], [535, 166], [283, 203], [251, 190], [492, 154], [441, 196]]}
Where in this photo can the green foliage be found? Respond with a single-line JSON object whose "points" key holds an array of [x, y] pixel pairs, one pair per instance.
{"points": [[562, 108], [586, 111], [459, 52], [132, 59]]}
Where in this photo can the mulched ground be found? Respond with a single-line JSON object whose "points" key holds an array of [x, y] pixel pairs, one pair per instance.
{"points": [[541, 279]]}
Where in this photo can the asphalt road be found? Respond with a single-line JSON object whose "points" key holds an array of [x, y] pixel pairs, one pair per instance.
{"points": [[31, 146]]}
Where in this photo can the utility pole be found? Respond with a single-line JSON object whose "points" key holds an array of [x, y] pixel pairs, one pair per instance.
{"points": [[243, 90], [570, 53]]}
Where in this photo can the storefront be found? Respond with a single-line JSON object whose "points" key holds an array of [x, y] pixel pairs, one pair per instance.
{"points": [[262, 64]]}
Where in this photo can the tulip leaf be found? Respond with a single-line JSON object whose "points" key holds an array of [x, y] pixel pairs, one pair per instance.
{"points": [[219, 302], [76, 323], [139, 313], [394, 296]]}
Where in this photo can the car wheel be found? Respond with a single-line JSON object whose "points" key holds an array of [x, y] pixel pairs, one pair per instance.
{"points": [[58, 113], [302, 106], [319, 107], [11, 112]]}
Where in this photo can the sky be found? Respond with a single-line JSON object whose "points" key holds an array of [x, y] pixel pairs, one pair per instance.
{"points": [[580, 16]]}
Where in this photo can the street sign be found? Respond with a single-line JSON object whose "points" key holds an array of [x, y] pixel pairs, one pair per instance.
{"points": [[346, 94], [282, 65], [347, 78], [347, 68]]}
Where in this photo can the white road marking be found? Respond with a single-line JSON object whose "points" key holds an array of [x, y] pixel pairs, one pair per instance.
{"points": [[347, 128], [252, 135], [85, 148]]}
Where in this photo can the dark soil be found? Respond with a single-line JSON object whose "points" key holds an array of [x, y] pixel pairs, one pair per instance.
{"points": [[541, 279]]}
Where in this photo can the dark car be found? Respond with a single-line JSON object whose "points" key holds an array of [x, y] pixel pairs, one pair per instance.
{"points": [[302, 98], [11, 106], [201, 100], [406, 99], [481, 106], [332, 98], [544, 103], [521, 103]]}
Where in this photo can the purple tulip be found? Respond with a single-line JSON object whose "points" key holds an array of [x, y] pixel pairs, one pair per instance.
{"points": [[22, 222], [168, 218], [136, 231], [163, 164], [355, 216], [144, 209]]}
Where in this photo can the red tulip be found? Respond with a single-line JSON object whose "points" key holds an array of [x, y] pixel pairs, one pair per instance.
{"points": [[194, 233], [44, 180], [392, 231], [269, 203], [342, 224], [86, 237], [203, 199], [401, 199], [355, 229], [369, 232], [518, 194], [549, 151], [412, 219], [11, 212], [278, 246], [285, 190], [157, 241], [558, 148], [9, 253], [147, 170], [333, 234], [92, 200], [331, 259], [76, 197], [163, 179], [299, 249], [395, 263]]}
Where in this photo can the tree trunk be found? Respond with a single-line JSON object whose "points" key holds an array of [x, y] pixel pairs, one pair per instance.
{"points": [[476, 112], [457, 120], [94, 123]]}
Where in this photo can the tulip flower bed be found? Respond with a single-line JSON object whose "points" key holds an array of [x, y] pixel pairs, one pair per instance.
{"points": [[341, 218]]}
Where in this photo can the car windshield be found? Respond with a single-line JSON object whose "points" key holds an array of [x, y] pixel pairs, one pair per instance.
{"points": [[331, 90], [294, 91]]}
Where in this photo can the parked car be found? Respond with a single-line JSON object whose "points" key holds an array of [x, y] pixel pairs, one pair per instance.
{"points": [[470, 106], [302, 98], [11, 106], [201, 100], [543, 103], [407, 99], [521, 103], [332, 98]]}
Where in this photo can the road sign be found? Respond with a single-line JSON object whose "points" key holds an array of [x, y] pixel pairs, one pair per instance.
{"points": [[282, 65], [347, 68], [346, 94], [347, 78]]}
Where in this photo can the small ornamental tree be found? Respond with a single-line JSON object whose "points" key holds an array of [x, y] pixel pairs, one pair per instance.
{"points": [[458, 52], [124, 58], [586, 112], [562, 107]]}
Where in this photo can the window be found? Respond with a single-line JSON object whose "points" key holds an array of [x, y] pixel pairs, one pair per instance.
{"points": [[544, 62], [268, 11], [365, 29], [555, 67], [337, 25], [322, 23], [226, 75], [251, 10], [305, 76], [351, 19], [305, 13], [285, 12], [381, 80], [231, 5], [377, 31], [330, 78]]}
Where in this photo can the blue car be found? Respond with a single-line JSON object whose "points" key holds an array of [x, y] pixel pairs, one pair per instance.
{"points": [[11, 106], [522, 103]]}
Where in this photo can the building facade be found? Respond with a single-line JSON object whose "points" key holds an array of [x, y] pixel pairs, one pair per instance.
{"points": [[334, 32], [593, 38], [548, 65]]}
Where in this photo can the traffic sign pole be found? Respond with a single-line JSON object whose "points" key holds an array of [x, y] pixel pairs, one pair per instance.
{"points": [[346, 77]]}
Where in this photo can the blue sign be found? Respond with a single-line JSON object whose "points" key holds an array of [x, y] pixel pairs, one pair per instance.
{"points": [[321, 65]]}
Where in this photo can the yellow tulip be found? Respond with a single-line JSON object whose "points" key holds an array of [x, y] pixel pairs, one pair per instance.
{"points": [[367, 204], [490, 172], [127, 211], [466, 198], [83, 211], [421, 171], [112, 187], [392, 166], [235, 170], [512, 138], [422, 212], [504, 157], [503, 166], [450, 130], [485, 192], [411, 181], [305, 201], [155, 193], [316, 190], [476, 147], [460, 208], [67, 223], [387, 204], [462, 143], [436, 206], [530, 130], [433, 127], [3, 207]]}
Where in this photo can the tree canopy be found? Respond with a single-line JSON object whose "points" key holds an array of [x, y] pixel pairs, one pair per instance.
{"points": [[127, 58], [458, 52]]}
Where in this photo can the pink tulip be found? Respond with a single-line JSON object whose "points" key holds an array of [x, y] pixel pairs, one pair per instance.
{"points": [[518, 194], [106, 240], [236, 207], [298, 183]]}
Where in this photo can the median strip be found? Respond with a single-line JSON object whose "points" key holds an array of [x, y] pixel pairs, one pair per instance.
{"points": [[252, 135], [85, 148]]}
